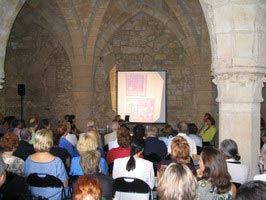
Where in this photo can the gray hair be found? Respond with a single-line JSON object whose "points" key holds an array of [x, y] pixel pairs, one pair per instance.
{"points": [[182, 127], [229, 148], [25, 134]]}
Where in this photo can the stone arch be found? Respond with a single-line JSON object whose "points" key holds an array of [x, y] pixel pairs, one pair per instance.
{"points": [[7, 21]]}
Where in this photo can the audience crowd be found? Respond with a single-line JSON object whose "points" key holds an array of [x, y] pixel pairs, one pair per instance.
{"points": [[173, 164]]}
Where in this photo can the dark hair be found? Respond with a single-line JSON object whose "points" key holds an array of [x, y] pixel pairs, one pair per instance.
{"points": [[216, 169], [192, 128], [252, 190], [123, 137], [212, 120], [208, 115], [229, 149], [137, 145], [59, 131], [15, 123], [139, 131], [167, 130], [44, 123]]}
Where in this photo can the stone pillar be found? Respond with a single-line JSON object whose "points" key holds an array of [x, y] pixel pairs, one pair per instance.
{"points": [[239, 97]]}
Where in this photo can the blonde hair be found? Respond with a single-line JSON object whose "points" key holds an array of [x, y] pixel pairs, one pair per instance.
{"points": [[177, 183], [180, 150], [43, 140], [87, 142], [89, 162]]}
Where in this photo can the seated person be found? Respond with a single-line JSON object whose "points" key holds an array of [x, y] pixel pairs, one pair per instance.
{"points": [[123, 150], [153, 145], [209, 131], [179, 154], [111, 136], [252, 190], [44, 162], [192, 133], [90, 166], [24, 148], [87, 188], [238, 172], [177, 182], [87, 142], [135, 167], [167, 134], [9, 143]]}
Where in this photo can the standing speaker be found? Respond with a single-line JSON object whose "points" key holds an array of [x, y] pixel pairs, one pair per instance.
{"points": [[21, 89]]}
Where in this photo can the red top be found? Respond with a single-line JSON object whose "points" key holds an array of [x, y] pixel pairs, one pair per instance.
{"points": [[118, 152]]}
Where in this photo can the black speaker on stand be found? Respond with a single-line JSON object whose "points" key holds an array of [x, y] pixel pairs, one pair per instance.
{"points": [[21, 93]]}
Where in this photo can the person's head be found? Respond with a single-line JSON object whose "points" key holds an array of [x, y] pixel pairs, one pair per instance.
{"points": [[43, 140], [33, 123], [87, 188], [2, 171], [137, 147], [87, 142], [61, 129], [25, 134], [182, 127], [180, 149], [21, 124], [210, 121], [139, 131], [45, 124], [214, 168], [192, 128], [252, 190], [152, 131], [117, 118], [123, 137], [229, 148], [9, 142], [167, 130], [114, 125], [72, 119], [15, 123], [89, 162], [177, 183], [206, 115]]}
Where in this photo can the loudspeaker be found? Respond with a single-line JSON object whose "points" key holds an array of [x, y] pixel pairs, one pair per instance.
{"points": [[21, 89]]}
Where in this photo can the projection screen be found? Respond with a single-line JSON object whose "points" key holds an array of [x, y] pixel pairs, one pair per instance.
{"points": [[141, 95]]}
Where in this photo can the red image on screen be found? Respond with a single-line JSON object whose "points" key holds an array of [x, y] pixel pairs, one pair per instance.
{"points": [[136, 84]]}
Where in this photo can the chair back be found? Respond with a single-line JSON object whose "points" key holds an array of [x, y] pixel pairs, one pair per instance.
{"points": [[46, 180], [131, 185]]}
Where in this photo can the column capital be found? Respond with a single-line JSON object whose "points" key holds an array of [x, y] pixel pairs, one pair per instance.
{"points": [[239, 84]]}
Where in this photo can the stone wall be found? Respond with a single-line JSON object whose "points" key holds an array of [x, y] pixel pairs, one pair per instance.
{"points": [[145, 43], [37, 60]]}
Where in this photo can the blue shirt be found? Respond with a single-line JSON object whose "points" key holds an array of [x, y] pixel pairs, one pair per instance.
{"points": [[55, 168], [64, 143], [75, 168]]}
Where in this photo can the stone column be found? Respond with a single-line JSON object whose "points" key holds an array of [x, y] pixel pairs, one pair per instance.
{"points": [[239, 97]]}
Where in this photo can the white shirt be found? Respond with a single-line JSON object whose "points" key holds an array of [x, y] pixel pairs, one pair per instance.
{"points": [[166, 140], [191, 142], [72, 139], [112, 144], [197, 139], [110, 137], [238, 172], [144, 171]]}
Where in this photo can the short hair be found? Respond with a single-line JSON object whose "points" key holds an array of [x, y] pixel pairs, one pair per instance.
{"points": [[153, 130], [87, 142], [216, 169], [44, 123], [25, 134], [177, 183], [192, 128], [90, 161], [87, 187], [33, 122], [182, 127], [123, 137], [180, 149], [115, 125], [9, 142], [251, 190], [229, 149], [60, 130], [43, 140], [167, 130]]}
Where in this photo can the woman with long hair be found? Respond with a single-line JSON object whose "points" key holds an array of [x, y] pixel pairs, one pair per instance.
{"points": [[215, 179], [134, 166]]}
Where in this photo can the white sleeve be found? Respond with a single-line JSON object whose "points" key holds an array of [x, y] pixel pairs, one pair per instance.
{"points": [[169, 146], [115, 170], [151, 179]]}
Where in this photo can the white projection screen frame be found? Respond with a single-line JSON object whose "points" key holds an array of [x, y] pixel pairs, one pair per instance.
{"points": [[142, 96]]}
